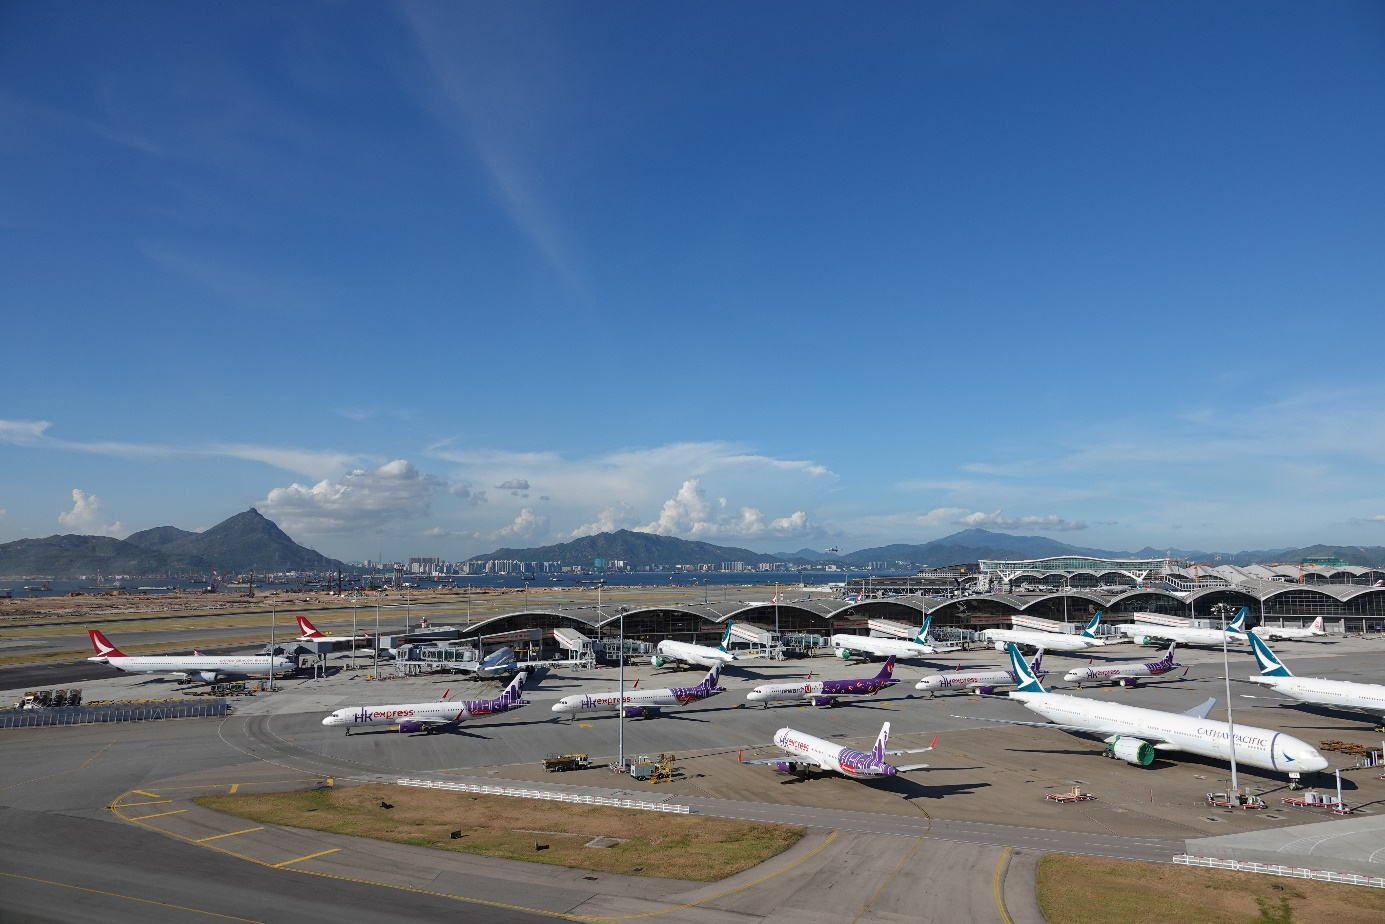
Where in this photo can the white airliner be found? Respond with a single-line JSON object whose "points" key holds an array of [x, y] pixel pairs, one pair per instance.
{"points": [[856, 646], [1127, 674], [209, 668], [1134, 733], [1369, 697], [1145, 633], [808, 753], [1049, 641], [311, 634], [640, 703], [1276, 633], [428, 717], [985, 682], [695, 655], [824, 692]]}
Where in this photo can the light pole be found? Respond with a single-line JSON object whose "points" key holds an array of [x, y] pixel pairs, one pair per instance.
{"points": [[1230, 723], [271, 642], [375, 663], [620, 715], [777, 640], [354, 595]]}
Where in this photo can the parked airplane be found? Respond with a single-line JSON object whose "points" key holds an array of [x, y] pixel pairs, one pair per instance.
{"points": [[1053, 641], [311, 634], [856, 646], [1127, 675], [1275, 633], [822, 692], [429, 717], [808, 753], [1144, 633], [1134, 733], [1368, 697], [694, 655], [208, 668], [499, 663], [641, 703], [985, 682]]}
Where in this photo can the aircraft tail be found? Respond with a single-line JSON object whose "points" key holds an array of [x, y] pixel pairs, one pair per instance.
{"points": [[1270, 665], [1316, 626], [887, 669], [1024, 676], [726, 638], [1090, 631], [922, 637], [1037, 665], [877, 753], [308, 629], [1239, 623], [709, 683], [1168, 656], [514, 691], [103, 646]]}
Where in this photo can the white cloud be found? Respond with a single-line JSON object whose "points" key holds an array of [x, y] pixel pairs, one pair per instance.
{"points": [[85, 516], [619, 516], [359, 500], [997, 520], [940, 515], [22, 431], [514, 484], [527, 525], [1376, 518], [688, 515]]}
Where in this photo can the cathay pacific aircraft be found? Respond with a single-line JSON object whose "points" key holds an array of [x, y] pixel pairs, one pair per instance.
{"points": [[208, 668], [1049, 641], [311, 634], [1368, 697], [1133, 733], [807, 753], [856, 646], [1145, 633], [695, 655]]}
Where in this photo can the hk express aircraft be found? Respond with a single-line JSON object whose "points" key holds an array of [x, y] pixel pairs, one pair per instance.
{"points": [[1143, 633], [1051, 641], [208, 668], [640, 703], [823, 692], [856, 646], [807, 753], [1127, 675], [428, 717], [1134, 733], [1367, 697], [984, 682], [694, 655]]}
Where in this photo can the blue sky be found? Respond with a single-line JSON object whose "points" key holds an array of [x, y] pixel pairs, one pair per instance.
{"points": [[433, 278]]}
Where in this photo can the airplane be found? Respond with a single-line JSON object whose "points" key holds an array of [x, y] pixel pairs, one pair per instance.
{"points": [[208, 668], [1052, 641], [808, 753], [694, 655], [983, 682], [499, 663], [641, 703], [1368, 697], [822, 692], [311, 634], [429, 717], [1127, 675], [855, 646], [1149, 633], [1276, 633], [1134, 733]]}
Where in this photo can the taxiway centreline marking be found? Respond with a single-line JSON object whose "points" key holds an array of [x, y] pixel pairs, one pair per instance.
{"points": [[203, 840], [995, 886], [146, 901], [94, 756], [876, 895]]}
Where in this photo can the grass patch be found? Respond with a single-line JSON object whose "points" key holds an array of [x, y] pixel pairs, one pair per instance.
{"points": [[655, 844], [1094, 890]]}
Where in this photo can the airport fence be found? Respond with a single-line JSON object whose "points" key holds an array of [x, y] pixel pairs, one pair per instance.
{"points": [[548, 795], [1274, 869], [116, 712]]}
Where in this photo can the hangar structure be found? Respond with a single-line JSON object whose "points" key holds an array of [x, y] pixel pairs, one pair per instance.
{"points": [[1354, 608]]}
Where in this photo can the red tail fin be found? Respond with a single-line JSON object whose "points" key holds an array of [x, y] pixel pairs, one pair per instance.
{"points": [[103, 646], [307, 628]]}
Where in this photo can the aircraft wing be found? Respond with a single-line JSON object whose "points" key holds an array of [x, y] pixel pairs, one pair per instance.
{"points": [[764, 760], [911, 767], [915, 750], [1077, 729]]}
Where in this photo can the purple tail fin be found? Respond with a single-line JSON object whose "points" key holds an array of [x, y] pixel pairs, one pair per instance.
{"points": [[709, 683], [887, 669], [877, 753], [1037, 664], [513, 692]]}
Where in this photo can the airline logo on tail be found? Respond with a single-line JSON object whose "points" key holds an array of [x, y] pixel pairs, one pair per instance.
{"points": [[103, 647], [887, 669], [710, 681], [1270, 665], [1167, 661], [1239, 623], [877, 753], [775, 598], [307, 628], [922, 637], [726, 637], [1090, 631], [1028, 683], [513, 691]]}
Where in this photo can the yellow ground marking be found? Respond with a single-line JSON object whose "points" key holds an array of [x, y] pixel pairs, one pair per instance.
{"points": [[995, 885], [115, 806], [159, 814], [321, 853], [871, 900], [584, 725], [203, 840], [131, 898], [151, 802], [96, 755], [141, 792], [234, 787]]}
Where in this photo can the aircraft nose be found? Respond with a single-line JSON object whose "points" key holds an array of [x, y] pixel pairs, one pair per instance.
{"points": [[1070, 675], [1312, 760], [562, 705]]}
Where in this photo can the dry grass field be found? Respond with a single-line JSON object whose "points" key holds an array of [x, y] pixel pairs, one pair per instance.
{"points": [[652, 844], [1093, 890]]}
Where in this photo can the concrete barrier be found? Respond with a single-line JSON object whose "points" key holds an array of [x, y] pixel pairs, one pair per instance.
{"points": [[547, 795]]}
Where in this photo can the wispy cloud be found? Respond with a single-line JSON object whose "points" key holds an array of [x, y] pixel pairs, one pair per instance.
{"points": [[998, 520]]}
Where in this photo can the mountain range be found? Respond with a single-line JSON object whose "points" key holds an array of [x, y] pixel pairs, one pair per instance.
{"points": [[236, 545]]}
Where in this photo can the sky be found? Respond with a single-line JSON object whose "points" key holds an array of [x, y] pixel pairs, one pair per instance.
{"points": [[429, 279]]}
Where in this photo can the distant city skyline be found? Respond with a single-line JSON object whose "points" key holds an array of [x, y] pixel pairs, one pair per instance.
{"points": [[430, 279]]}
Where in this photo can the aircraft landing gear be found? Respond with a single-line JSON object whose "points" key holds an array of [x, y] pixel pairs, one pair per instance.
{"points": [[1295, 781]]}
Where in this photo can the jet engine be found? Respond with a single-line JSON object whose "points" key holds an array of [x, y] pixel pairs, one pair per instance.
{"points": [[984, 691], [639, 712], [821, 700], [207, 676], [659, 661], [844, 653], [410, 728], [999, 646], [1145, 640], [1133, 751]]}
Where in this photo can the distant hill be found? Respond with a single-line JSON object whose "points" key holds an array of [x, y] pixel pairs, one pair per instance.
{"points": [[639, 550], [807, 556], [246, 540], [972, 545], [1372, 556]]}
